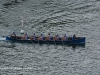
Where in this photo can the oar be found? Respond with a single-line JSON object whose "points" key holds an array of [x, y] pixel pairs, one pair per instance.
{"points": [[63, 43], [22, 43], [32, 42], [46, 39], [38, 43], [64, 40], [48, 43], [54, 42], [13, 44]]}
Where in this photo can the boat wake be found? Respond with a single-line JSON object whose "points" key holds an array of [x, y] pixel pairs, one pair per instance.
{"points": [[2, 39], [4, 43]]}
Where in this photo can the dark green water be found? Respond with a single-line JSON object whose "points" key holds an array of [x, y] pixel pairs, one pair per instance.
{"points": [[80, 17]]}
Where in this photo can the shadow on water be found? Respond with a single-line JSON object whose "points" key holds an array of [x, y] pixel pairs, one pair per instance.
{"points": [[74, 46], [12, 45], [8, 45]]}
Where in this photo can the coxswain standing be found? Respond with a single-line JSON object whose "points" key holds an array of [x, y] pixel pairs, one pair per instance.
{"points": [[13, 34]]}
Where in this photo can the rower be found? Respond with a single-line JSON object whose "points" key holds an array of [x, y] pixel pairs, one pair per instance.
{"points": [[65, 37], [74, 36], [26, 36], [34, 37], [41, 37], [13, 35], [57, 37], [49, 37]]}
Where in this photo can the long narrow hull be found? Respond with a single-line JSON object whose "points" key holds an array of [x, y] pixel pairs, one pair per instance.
{"points": [[80, 41]]}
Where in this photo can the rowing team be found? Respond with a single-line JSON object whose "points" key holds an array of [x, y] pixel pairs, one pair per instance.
{"points": [[41, 37]]}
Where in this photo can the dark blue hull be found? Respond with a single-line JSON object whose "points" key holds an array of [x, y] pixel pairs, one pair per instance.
{"points": [[80, 41]]}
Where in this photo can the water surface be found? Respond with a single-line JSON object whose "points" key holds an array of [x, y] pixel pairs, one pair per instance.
{"points": [[56, 17]]}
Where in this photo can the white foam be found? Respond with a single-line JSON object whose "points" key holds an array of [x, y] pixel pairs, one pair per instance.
{"points": [[2, 38]]}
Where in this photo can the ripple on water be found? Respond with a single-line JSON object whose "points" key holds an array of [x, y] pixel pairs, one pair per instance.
{"points": [[57, 17]]}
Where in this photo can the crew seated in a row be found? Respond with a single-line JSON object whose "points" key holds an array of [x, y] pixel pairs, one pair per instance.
{"points": [[41, 37], [56, 38], [33, 37]]}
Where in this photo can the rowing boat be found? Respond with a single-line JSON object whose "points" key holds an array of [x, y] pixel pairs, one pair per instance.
{"points": [[69, 41]]}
